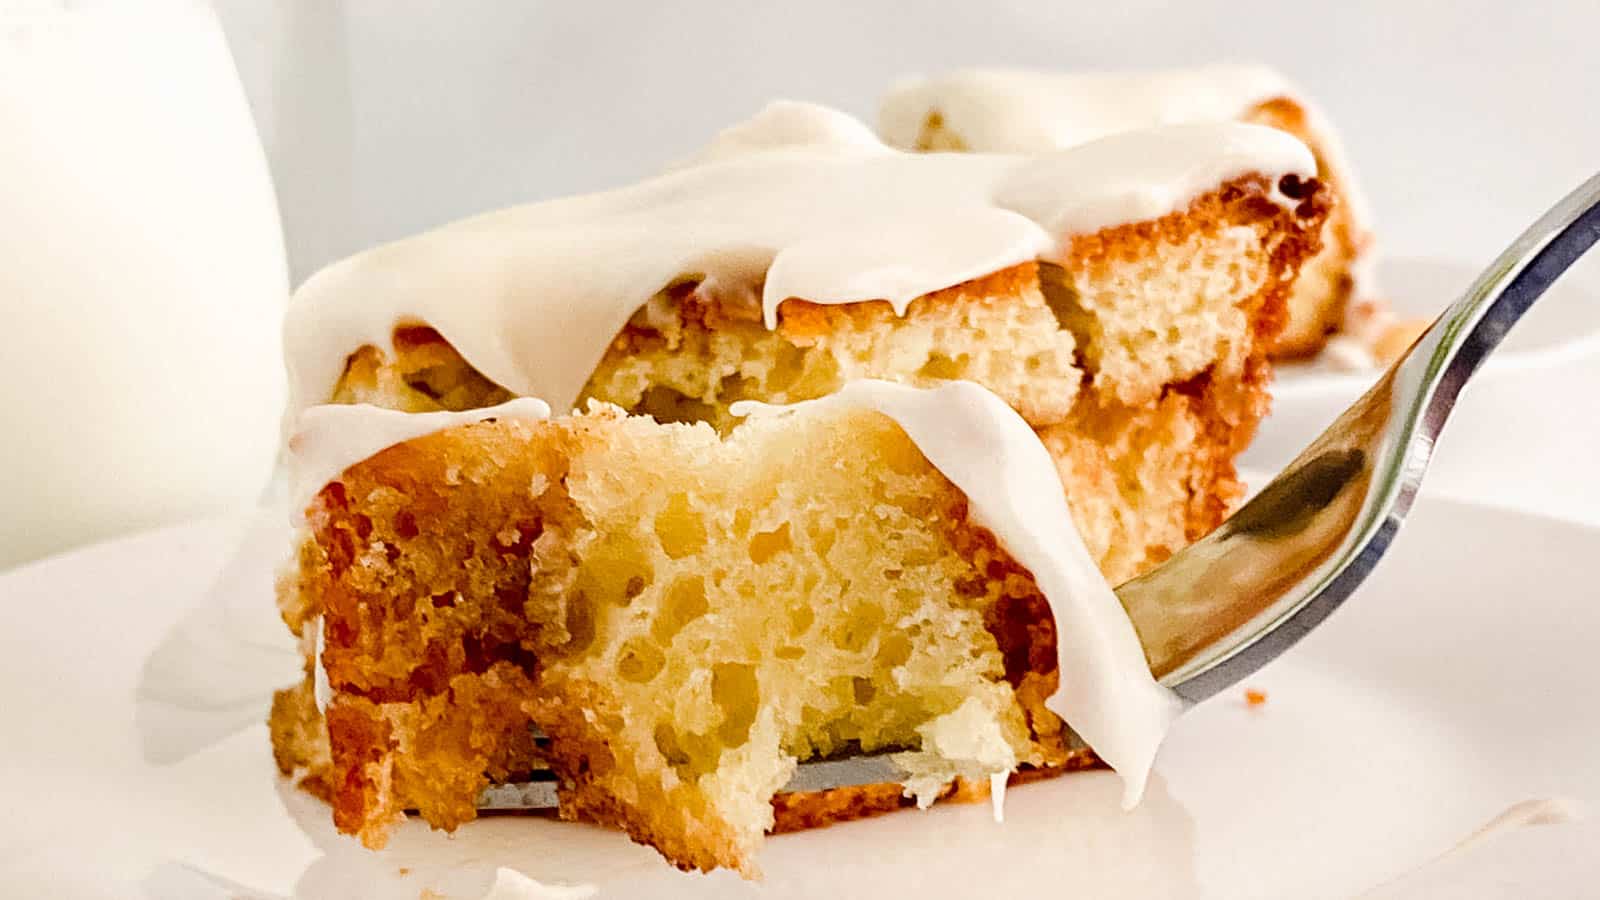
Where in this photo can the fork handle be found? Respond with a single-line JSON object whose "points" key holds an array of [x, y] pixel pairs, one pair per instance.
{"points": [[1222, 608]]}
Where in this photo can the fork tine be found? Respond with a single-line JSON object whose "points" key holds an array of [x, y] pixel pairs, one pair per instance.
{"points": [[539, 791]]}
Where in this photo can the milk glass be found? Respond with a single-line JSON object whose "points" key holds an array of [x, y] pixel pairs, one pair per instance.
{"points": [[142, 274]]}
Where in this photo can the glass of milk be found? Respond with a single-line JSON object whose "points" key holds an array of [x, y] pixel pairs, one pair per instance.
{"points": [[142, 274]]}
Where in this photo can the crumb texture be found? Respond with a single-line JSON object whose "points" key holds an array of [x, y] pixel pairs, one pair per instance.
{"points": [[1140, 356], [1327, 282], [685, 608], [604, 579]]}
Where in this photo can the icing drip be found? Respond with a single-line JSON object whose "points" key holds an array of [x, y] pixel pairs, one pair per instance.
{"points": [[1023, 111], [330, 438], [801, 201], [790, 124], [321, 687], [997, 795], [991, 454]]}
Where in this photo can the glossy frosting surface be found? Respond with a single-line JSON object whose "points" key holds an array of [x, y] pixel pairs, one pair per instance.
{"points": [[800, 201], [331, 437], [1022, 111], [986, 449]]}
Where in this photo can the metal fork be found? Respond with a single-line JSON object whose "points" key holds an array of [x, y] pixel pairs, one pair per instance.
{"points": [[1231, 602]]}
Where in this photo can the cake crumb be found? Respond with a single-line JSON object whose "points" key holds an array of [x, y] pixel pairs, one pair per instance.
{"points": [[1255, 697]]}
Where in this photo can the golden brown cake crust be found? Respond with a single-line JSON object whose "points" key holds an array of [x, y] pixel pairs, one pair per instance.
{"points": [[301, 753], [1327, 282], [1065, 343], [437, 683], [798, 811], [439, 670]]}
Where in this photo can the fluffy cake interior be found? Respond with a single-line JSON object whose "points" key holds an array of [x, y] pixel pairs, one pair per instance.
{"points": [[489, 577], [684, 615], [1326, 283], [1140, 357]]}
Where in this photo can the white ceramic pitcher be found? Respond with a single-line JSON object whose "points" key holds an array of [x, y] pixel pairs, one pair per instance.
{"points": [[142, 274]]}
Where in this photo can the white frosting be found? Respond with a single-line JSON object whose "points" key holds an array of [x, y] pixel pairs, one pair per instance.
{"points": [[1021, 111], [997, 796], [800, 201], [990, 453], [329, 438], [789, 124], [1017, 111], [804, 202], [321, 686]]}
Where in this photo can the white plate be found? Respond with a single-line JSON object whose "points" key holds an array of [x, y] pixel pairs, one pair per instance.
{"points": [[1562, 329], [1455, 686], [1566, 323]]}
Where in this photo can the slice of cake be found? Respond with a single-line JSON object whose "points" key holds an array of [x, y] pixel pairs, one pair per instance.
{"points": [[1010, 111], [670, 609], [685, 616]]}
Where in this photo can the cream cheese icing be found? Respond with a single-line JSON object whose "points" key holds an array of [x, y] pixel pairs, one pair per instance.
{"points": [[801, 200], [321, 687], [986, 449], [1021, 111], [1106, 692], [331, 437], [1015, 111], [1030, 111], [997, 796], [804, 202]]}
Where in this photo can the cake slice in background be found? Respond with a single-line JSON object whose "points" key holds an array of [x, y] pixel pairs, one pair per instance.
{"points": [[592, 575], [1014, 111]]}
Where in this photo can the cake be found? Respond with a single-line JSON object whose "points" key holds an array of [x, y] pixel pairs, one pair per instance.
{"points": [[1012, 111], [849, 443]]}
